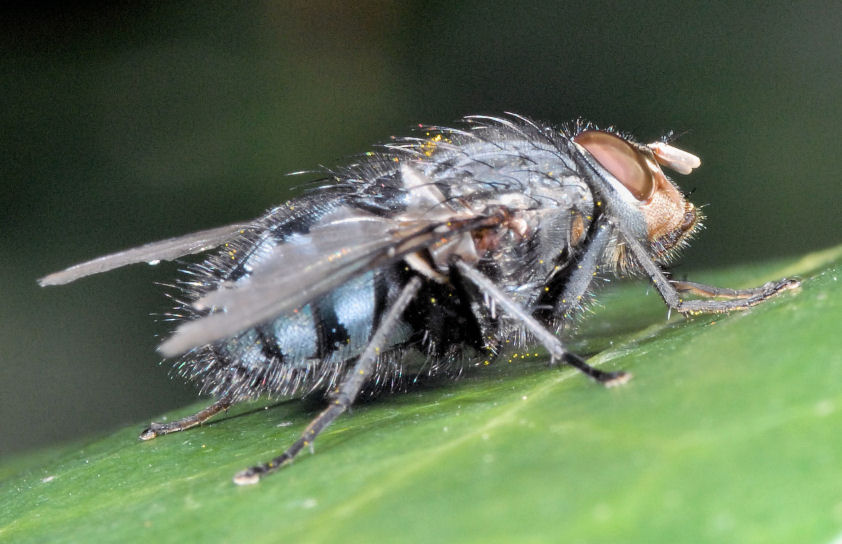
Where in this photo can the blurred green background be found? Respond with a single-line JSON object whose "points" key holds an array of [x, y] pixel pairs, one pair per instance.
{"points": [[126, 124]]}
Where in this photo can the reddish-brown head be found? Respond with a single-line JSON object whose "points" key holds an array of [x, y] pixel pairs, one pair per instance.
{"points": [[670, 218]]}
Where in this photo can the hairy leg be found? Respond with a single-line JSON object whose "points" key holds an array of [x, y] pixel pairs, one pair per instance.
{"points": [[544, 336], [348, 389], [736, 299], [158, 429]]}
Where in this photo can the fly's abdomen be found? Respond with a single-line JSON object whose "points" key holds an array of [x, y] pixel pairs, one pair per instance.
{"points": [[304, 349]]}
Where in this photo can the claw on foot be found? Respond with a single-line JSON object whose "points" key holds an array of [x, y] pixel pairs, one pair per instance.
{"points": [[246, 477], [617, 378], [150, 432]]}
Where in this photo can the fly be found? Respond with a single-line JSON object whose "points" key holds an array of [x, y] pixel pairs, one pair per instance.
{"points": [[452, 244]]}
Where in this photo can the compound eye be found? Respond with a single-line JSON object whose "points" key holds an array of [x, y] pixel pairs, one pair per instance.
{"points": [[623, 161]]}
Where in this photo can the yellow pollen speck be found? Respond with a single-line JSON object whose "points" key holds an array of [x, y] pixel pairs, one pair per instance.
{"points": [[432, 300], [546, 288], [599, 203], [541, 261]]}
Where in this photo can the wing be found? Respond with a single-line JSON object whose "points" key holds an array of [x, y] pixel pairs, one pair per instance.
{"points": [[165, 250], [342, 246]]}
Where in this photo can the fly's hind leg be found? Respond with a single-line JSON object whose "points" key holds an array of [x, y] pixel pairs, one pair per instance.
{"points": [[348, 389], [158, 429]]}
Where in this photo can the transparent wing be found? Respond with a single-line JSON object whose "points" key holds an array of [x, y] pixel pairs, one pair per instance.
{"points": [[308, 266], [165, 250]]}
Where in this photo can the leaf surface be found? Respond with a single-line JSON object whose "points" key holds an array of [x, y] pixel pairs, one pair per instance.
{"points": [[729, 432]]}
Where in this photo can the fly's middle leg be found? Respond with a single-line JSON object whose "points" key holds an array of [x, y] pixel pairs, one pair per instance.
{"points": [[549, 340]]}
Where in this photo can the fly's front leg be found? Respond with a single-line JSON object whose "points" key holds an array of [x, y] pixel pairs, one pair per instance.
{"points": [[348, 390], [735, 299], [545, 337], [158, 429]]}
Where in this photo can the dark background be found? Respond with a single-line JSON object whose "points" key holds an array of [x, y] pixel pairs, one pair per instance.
{"points": [[122, 125]]}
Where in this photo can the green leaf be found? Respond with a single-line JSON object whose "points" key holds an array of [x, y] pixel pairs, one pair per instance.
{"points": [[729, 432]]}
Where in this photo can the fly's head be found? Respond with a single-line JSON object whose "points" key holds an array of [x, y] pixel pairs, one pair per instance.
{"points": [[635, 176]]}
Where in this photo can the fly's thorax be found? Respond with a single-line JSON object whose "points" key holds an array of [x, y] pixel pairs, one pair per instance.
{"points": [[648, 203], [536, 192]]}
